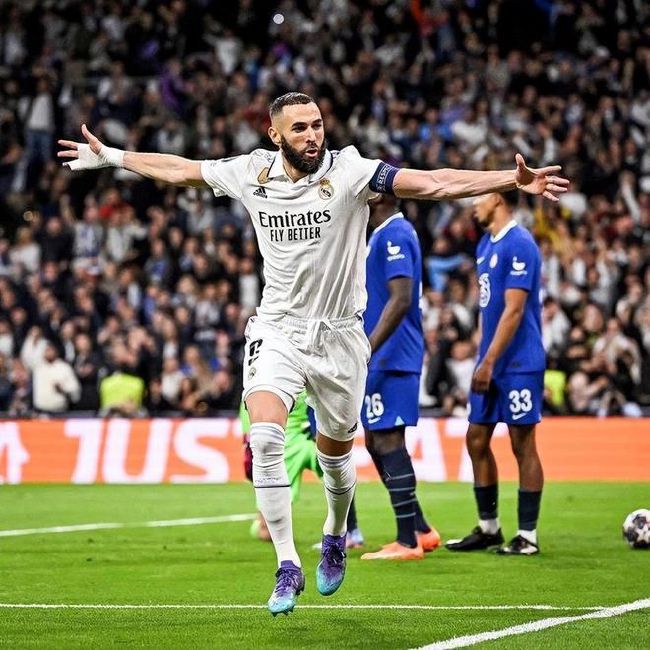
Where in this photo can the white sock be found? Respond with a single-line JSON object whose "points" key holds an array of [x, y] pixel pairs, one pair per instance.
{"points": [[489, 526], [272, 487], [339, 478], [529, 535]]}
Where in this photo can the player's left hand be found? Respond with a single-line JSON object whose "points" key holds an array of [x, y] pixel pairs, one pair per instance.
{"points": [[481, 378], [544, 181]]}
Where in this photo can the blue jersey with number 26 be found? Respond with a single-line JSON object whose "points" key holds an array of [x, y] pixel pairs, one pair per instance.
{"points": [[511, 260], [394, 251]]}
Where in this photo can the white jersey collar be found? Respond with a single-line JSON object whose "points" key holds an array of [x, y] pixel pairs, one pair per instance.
{"points": [[397, 215], [504, 231], [277, 168]]}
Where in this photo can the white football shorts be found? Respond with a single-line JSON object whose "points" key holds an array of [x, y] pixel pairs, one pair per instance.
{"points": [[327, 357]]}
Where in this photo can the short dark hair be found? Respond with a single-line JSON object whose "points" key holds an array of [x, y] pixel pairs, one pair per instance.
{"points": [[511, 198], [288, 99]]}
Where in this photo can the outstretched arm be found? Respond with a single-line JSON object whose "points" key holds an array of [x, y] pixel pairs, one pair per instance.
{"points": [[458, 183], [167, 168]]}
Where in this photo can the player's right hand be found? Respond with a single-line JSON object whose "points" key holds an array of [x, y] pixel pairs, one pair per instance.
{"points": [[86, 155], [482, 377]]}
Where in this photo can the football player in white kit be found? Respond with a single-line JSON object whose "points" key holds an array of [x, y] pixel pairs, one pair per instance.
{"points": [[309, 208]]}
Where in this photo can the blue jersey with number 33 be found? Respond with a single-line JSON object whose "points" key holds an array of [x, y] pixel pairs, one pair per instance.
{"points": [[511, 260]]}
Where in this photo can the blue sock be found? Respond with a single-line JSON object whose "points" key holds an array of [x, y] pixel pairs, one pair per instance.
{"points": [[486, 500], [528, 509], [421, 524], [399, 479]]}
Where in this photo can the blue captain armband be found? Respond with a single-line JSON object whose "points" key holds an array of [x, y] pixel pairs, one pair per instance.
{"points": [[382, 179]]}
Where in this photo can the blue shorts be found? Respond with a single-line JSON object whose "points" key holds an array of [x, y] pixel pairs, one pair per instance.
{"points": [[391, 400], [513, 398]]}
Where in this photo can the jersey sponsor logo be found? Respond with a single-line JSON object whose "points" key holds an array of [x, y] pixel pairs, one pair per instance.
{"points": [[325, 191], [261, 192], [294, 226], [518, 268], [394, 252], [493, 260], [484, 290]]}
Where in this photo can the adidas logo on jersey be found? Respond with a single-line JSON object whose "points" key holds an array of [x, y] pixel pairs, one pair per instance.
{"points": [[261, 192]]}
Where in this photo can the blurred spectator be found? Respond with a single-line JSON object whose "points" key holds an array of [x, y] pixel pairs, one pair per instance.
{"points": [[121, 392], [155, 401], [6, 387], [168, 276], [32, 352], [56, 386], [87, 365], [25, 254]]}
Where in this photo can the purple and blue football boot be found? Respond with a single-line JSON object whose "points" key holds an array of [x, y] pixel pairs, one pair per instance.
{"points": [[331, 568], [289, 584]]}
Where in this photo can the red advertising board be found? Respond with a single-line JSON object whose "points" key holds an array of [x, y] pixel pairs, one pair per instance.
{"points": [[209, 450]]}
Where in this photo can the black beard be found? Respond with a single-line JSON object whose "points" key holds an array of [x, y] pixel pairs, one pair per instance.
{"points": [[300, 162]]}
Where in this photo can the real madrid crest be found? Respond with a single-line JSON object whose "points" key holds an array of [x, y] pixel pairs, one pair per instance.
{"points": [[326, 190]]}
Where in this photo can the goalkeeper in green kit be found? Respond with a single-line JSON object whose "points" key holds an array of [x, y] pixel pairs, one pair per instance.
{"points": [[299, 455]]}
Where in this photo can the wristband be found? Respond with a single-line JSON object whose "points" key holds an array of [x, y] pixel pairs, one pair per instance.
{"points": [[114, 157]]}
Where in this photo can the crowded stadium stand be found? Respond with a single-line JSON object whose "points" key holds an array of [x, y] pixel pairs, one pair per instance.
{"points": [[122, 296]]}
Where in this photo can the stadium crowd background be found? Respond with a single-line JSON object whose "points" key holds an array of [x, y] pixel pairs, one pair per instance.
{"points": [[119, 295]]}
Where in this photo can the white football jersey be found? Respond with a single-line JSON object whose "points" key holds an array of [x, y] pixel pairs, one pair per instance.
{"points": [[311, 233]]}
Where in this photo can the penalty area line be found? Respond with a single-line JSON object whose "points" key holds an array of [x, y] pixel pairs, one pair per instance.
{"points": [[193, 521], [536, 626]]}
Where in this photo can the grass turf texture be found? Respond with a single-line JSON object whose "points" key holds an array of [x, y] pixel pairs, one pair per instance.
{"points": [[584, 563]]}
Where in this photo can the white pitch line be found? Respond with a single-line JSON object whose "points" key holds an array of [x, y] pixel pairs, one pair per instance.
{"points": [[535, 626], [234, 606], [194, 521]]}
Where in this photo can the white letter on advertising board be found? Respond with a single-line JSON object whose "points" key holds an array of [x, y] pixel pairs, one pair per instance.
{"points": [[15, 454], [117, 447], [429, 465], [89, 433], [188, 448]]}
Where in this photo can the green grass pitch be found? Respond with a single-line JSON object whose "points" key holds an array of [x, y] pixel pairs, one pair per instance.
{"points": [[584, 563]]}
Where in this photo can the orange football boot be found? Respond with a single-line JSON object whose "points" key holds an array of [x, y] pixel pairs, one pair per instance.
{"points": [[429, 541], [395, 551]]}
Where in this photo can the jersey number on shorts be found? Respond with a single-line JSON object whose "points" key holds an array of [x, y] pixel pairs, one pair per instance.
{"points": [[520, 401], [254, 351], [374, 406]]}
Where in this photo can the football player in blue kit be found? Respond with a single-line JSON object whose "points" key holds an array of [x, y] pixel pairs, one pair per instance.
{"points": [[393, 323], [507, 385]]}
